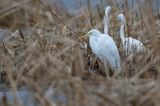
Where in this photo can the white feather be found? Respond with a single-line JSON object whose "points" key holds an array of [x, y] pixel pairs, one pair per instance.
{"points": [[106, 20], [130, 44], [104, 48]]}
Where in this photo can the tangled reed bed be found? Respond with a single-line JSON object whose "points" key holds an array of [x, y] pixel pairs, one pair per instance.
{"points": [[40, 51]]}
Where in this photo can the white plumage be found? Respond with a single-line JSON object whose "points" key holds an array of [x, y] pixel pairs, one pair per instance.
{"points": [[104, 48], [130, 44], [106, 20]]}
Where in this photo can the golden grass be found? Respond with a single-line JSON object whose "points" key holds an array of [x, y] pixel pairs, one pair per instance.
{"points": [[42, 53]]}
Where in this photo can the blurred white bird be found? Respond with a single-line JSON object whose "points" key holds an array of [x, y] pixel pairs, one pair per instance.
{"points": [[106, 25], [130, 45], [106, 20], [104, 48]]}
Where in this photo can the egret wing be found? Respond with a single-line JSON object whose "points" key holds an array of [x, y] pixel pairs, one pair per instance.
{"points": [[107, 51], [133, 45]]}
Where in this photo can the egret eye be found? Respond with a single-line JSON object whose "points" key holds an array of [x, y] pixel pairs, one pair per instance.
{"points": [[90, 33]]}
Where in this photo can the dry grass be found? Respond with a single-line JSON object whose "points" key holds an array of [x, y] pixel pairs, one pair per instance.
{"points": [[40, 51]]}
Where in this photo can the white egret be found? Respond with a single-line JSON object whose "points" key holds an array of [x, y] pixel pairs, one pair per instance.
{"points": [[106, 24], [106, 20], [104, 48], [130, 44]]}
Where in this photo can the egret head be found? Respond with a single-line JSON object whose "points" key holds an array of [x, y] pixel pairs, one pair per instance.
{"points": [[108, 9], [121, 17], [92, 32]]}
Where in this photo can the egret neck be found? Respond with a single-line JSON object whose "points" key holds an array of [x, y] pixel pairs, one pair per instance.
{"points": [[122, 30], [93, 41]]}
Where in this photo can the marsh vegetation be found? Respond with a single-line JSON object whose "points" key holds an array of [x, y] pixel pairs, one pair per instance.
{"points": [[42, 56]]}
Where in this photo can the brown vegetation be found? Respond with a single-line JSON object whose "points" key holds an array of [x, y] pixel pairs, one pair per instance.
{"points": [[39, 50]]}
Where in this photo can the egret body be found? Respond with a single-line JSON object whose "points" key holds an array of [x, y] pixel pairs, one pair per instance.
{"points": [[130, 44], [104, 48]]}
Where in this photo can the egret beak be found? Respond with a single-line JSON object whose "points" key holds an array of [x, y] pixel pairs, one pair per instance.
{"points": [[117, 18], [84, 36]]}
